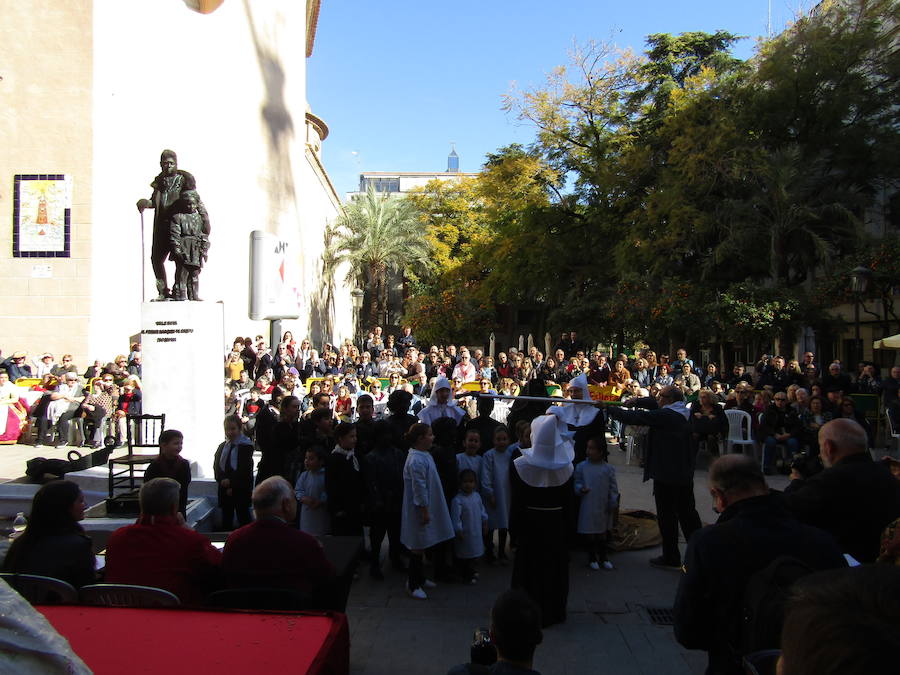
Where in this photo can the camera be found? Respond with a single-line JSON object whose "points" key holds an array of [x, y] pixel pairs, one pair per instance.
{"points": [[806, 464], [482, 650]]}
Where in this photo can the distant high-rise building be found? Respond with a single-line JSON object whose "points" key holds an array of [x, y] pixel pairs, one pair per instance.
{"points": [[453, 161]]}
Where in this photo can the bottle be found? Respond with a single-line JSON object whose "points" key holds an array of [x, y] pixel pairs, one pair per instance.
{"points": [[19, 525]]}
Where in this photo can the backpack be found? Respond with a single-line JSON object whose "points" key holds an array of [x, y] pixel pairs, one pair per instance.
{"points": [[762, 609]]}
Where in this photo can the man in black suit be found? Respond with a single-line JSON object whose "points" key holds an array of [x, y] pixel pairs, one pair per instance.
{"points": [[670, 463]]}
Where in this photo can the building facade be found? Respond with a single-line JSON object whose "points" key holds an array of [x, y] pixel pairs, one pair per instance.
{"points": [[93, 91], [398, 183]]}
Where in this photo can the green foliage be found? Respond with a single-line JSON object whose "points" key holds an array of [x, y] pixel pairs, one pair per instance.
{"points": [[480, 231], [749, 311], [702, 194]]}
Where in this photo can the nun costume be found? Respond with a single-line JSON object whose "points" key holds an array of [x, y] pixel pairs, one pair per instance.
{"points": [[441, 404], [542, 489], [580, 422]]}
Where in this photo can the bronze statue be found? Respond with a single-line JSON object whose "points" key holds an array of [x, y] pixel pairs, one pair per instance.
{"points": [[168, 187], [189, 243]]}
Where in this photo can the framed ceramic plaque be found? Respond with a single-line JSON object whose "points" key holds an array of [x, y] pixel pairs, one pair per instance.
{"points": [[42, 214]]}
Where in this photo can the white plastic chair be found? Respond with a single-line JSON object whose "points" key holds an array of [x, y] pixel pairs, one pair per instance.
{"points": [[738, 430]]}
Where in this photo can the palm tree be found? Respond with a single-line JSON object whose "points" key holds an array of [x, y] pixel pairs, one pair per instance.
{"points": [[800, 212], [377, 234]]}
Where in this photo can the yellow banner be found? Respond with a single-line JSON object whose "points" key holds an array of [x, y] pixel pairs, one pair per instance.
{"points": [[605, 392]]}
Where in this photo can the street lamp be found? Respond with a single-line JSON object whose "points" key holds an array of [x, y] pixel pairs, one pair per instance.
{"points": [[859, 282], [356, 298]]}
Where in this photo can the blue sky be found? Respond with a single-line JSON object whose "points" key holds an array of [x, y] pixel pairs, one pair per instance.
{"points": [[397, 81]]}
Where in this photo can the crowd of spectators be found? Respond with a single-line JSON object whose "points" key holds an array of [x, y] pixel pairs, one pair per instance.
{"points": [[422, 465], [50, 395], [788, 400]]}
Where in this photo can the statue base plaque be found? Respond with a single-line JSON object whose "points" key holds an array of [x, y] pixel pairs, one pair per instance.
{"points": [[183, 373]]}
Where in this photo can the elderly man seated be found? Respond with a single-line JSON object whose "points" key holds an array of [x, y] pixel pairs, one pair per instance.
{"points": [[161, 550], [271, 552]]}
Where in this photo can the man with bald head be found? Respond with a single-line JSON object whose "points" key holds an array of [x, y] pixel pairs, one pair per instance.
{"points": [[271, 552], [854, 498], [753, 529]]}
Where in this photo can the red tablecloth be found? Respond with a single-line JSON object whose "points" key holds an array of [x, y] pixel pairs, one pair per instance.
{"points": [[119, 640]]}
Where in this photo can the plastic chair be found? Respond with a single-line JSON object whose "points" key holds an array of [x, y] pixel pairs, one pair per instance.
{"points": [[39, 590], [126, 595], [261, 598], [738, 430]]}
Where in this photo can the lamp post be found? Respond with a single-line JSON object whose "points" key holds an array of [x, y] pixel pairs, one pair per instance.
{"points": [[859, 281], [356, 297]]}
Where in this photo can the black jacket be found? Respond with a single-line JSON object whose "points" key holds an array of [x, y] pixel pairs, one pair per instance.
{"points": [[703, 425], [383, 474], [720, 560], [854, 500], [68, 556], [780, 380], [778, 421], [669, 455], [241, 478]]}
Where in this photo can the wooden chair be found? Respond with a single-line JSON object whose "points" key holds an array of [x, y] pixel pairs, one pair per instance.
{"points": [[39, 590], [126, 595], [142, 434]]}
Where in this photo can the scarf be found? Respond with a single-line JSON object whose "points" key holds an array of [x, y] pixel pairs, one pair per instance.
{"points": [[349, 455]]}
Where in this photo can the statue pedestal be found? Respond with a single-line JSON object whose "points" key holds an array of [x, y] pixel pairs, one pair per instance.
{"points": [[183, 373]]}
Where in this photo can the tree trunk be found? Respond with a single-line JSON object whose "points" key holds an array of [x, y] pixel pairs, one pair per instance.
{"points": [[373, 298], [379, 301]]}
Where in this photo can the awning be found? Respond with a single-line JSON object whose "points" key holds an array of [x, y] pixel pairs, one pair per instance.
{"points": [[892, 342]]}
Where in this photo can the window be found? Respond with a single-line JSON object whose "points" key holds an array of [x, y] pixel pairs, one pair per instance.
{"points": [[381, 184]]}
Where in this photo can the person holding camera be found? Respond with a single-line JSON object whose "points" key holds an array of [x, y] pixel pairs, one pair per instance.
{"points": [[753, 530], [854, 498], [508, 647], [779, 425]]}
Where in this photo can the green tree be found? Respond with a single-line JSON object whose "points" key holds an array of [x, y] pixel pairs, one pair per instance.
{"points": [[375, 235], [480, 258]]}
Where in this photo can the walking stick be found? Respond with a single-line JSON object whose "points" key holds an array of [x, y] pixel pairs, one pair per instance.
{"points": [[143, 262], [543, 399]]}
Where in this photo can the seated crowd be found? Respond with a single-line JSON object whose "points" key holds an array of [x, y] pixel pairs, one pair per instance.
{"points": [[52, 396]]}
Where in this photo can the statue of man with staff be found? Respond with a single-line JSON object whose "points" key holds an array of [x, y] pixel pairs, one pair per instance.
{"points": [[168, 187]]}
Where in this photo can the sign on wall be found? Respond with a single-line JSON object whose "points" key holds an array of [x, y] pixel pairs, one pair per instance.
{"points": [[42, 213], [274, 278]]}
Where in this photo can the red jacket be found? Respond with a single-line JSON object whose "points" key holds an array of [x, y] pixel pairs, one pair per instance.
{"points": [[166, 555], [270, 553]]}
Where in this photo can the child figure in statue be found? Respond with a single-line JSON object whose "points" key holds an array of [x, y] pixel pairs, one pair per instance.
{"points": [[190, 244]]}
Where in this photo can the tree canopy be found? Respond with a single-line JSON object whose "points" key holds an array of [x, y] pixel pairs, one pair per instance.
{"points": [[680, 194]]}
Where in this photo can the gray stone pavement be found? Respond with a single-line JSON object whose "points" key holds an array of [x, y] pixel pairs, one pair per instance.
{"points": [[608, 629]]}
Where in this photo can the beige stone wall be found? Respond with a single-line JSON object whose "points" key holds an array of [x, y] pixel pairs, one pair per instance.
{"points": [[96, 89], [45, 128]]}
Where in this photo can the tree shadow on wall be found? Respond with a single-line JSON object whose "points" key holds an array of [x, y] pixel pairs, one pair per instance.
{"points": [[321, 308], [278, 123]]}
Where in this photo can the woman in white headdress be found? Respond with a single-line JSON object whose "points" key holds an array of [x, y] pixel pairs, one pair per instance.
{"points": [[579, 421], [441, 404], [542, 491]]}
